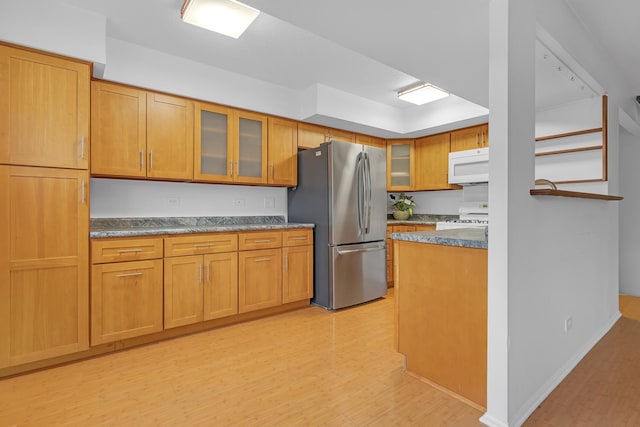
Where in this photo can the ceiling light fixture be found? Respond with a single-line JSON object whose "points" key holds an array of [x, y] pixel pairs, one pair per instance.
{"points": [[228, 17], [422, 94]]}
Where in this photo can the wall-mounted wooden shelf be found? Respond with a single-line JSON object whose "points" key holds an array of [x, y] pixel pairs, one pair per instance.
{"points": [[576, 194]]}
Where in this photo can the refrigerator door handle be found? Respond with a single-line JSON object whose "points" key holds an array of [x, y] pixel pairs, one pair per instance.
{"points": [[360, 193], [351, 251], [367, 169]]}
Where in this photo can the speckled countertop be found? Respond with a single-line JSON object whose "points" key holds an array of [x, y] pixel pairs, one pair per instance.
{"points": [[421, 219], [463, 237], [128, 227]]}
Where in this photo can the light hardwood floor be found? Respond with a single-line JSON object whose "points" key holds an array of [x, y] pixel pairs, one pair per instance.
{"points": [[305, 368]]}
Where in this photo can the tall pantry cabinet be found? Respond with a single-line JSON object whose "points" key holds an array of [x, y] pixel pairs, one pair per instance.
{"points": [[44, 213]]}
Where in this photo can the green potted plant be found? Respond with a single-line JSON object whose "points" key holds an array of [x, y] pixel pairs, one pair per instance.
{"points": [[402, 206]]}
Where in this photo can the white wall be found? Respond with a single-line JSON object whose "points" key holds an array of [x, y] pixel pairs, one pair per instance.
{"points": [[549, 258], [629, 214], [119, 198]]}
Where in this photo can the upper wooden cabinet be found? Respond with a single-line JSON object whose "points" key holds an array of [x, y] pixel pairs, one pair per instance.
{"points": [[311, 136], [44, 261], [138, 133], [44, 110], [230, 145], [283, 152], [470, 138], [432, 163], [374, 141], [400, 164]]}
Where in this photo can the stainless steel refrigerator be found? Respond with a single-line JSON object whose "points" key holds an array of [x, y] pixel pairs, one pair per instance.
{"points": [[342, 190]]}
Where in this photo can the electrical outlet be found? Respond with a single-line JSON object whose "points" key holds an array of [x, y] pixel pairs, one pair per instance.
{"points": [[269, 202], [173, 201], [568, 324], [238, 203]]}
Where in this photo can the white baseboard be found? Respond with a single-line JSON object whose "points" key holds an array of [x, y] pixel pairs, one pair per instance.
{"points": [[490, 421], [527, 409]]}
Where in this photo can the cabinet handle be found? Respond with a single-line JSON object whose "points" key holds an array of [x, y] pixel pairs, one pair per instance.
{"points": [[128, 274], [200, 272], [141, 159], [208, 272], [271, 170], [82, 197], [262, 259], [297, 238], [230, 168], [286, 262], [262, 241], [203, 245], [150, 159], [126, 251], [82, 147], [477, 139]]}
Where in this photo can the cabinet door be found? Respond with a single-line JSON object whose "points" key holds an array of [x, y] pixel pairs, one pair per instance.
{"points": [[44, 259], [432, 163], [118, 130], [126, 300], [169, 137], [297, 273], [283, 152], [371, 140], [44, 110], [251, 148], [213, 147], [341, 135], [311, 136], [183, 280], [484, 135], [466, 139], [220, 285], [400, 165], [259, 279]]}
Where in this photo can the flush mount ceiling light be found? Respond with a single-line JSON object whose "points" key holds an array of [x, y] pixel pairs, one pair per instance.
{"points": [[422, 94], [228, 17]]}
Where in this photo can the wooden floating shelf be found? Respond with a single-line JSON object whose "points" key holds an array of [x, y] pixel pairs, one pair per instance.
{"points": [[576, 194], [569, 150], [568, 134]]}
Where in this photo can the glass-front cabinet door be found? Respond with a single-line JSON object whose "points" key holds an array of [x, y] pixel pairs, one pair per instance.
{"points": [[400, 164], [213, 160], [251, 149]]}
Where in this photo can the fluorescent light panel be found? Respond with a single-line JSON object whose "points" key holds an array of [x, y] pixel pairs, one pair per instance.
{"points": [[422, 94], [228, 17]]}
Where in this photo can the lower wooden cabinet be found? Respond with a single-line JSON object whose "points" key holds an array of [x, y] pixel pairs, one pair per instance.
{"points": [[200, 287], [390, 254], [297, 273], [126, 300], [259, 279], [44, 260]]}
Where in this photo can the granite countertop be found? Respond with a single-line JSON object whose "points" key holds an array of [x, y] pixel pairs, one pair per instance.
{"points": [[463, 237], [421, 219], [129, 227]]}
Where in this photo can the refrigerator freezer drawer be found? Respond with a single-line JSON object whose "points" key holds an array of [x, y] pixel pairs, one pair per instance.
{"points": [[357, 273]]}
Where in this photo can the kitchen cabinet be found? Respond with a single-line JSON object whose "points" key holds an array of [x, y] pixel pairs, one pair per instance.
{"points": [[389, 244], [230, 145], [126, 300], [470, 138], [371, 140], [432, 163], [297, 272], [44, 278], [140, 133], [44, 110], [118, 130], [400, 164], [259, 279], [283, 152], [200, 287], [311, 136]]}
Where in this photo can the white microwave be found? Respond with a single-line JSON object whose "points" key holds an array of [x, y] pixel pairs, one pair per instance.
{"points": [[469, 166]]}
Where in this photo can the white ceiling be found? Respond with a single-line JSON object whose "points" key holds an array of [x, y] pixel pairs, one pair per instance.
{"points": [[369, 49]]}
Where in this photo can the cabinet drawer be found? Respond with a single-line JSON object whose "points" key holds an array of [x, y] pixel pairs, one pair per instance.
{"points": [[260, 240], [200, 244], [103, 251], [298, 237]]}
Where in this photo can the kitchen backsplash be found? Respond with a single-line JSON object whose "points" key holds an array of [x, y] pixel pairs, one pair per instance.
{"points": [[121, 198]]}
